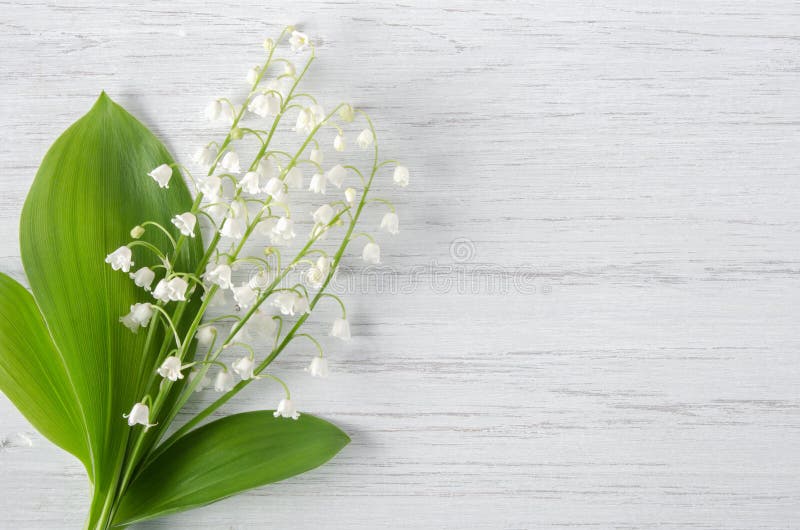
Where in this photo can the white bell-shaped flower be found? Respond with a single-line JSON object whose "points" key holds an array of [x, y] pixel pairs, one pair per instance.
{"points": [[234, 228], [309, 118], [400, 176], [265, 226], [161, 292], [390, 223], [120, 259], [244, 368], [324, 214], [299, 41], [339, 142], [286, 410], [294, 179], [318, 183], [223, 381], [267, 169], [305, 121], [316, 156], [251, 183], [211, 187], [139, 415], [177, 289], [347, 113], [336, 175], [301, 305], [318, 367], [365, 139], [228, 114], [283, 230], [371, 253], [316, 275], [171, 368], [230, 162], [289, 69], [213, 110], [253, 74], [341, 329], [204, 383], [205, 156], [143, 278], [221, 298], [173, 290], [139, 316], [290, 303], [162, 174], [259, 327], [236, 221], [274, 187], [245, 295], [350, 195], [205, 335], [238, 209], [185, 223], [218, 274], [265, 105]]}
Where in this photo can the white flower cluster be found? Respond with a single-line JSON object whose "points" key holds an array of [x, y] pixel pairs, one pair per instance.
{"points": [[240, 202]]}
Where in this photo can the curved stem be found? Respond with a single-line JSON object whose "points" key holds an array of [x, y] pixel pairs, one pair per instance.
{"points": [[312, 339], [149, 246], [341, 304], [160, 227], [279, 380], [171, 325]]}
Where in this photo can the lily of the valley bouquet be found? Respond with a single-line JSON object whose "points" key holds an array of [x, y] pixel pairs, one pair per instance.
{"points": [[144, 293]]}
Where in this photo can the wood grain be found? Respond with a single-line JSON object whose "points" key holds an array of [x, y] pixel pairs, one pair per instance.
{"points": [[634, 164]]}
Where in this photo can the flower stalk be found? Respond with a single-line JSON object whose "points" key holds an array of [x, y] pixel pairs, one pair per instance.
{"points": [[270, 182]]}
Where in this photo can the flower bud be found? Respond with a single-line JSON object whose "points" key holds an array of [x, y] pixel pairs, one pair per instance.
{"points": [[286, 409], [400, 176], [365, 139], [213, 110], [268, 45], [137, 232], [338, 143], [318, 367], [371, 253], [350, 195], [236, 133], [253, 75], [205, 335], [223, 382], [346, 113], [298, 41]]}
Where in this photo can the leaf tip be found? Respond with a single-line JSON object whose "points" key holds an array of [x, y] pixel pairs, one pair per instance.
{"points": [[103, 101]]}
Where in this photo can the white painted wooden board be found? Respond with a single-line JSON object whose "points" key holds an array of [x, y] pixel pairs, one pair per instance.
{"points": [[639, 158]]}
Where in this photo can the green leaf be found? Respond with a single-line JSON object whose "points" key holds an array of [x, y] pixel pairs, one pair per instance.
{"points": [[228, 456], [91, 189], [32, 372]]}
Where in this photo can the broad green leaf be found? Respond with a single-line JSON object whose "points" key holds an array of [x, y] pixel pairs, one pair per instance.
{"points": [[227, 456], [32, 372], [91, 189]]}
